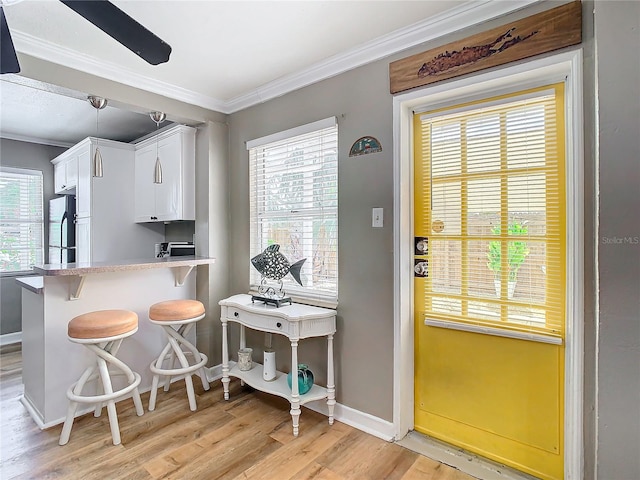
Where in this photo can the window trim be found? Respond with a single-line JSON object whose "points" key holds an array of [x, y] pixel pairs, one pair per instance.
{"points": [[35, 173], [297, 294], [293, 132]]}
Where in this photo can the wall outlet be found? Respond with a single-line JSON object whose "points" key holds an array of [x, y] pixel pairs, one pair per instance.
{"points": [[377, 217]]}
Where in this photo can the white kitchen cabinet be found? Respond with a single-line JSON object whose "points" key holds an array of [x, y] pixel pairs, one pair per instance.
{"points": [[65, 173], [83, 188], [105, 226], [174, 198], [83, 240]]}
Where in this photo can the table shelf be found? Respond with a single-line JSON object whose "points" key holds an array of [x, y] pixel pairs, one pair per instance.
{"points": [[278, 387]]}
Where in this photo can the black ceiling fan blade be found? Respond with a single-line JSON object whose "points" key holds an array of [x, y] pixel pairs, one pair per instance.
{"points": [[122, 28], [8, 58]]}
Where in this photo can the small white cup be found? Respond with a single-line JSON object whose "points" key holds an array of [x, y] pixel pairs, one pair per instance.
{"points": [[244, 359]]}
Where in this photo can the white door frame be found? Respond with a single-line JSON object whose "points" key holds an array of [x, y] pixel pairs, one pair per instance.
{"points": [[564, 66]]}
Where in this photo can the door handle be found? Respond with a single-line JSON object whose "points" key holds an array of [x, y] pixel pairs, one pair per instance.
{"points": [[421, 246], [420, 251]]}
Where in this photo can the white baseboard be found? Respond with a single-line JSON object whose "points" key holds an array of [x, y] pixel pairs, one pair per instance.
{"points": [[35, 415], [362, 421], [355, 418], [10, 338]]}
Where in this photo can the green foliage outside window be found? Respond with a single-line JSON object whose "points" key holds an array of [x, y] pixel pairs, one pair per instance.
{"points": [[517, 251]]}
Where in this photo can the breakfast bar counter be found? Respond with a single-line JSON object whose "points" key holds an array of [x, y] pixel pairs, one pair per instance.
{"points": [[51, 363], [120, 266]]}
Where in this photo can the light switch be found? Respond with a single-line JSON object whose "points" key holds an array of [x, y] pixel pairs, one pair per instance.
{"points": [[377, 215]]}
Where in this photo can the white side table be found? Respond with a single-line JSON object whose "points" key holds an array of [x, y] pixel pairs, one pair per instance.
{"points": [[295, 322]]}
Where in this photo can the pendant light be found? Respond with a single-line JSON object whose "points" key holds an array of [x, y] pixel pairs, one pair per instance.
{"points": [[157, 117], [98, 103]]}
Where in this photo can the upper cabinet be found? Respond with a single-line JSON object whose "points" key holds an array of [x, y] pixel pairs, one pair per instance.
{"points": [[73, 172], [65, 173], [174, 197], [105, 222]]}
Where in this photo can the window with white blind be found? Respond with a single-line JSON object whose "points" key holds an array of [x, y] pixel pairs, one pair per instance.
{"points": [[495, 211], [294, 203], [21, 219]]}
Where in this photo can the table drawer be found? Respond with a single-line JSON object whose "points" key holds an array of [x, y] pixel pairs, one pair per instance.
{"points": [[260, 321]]}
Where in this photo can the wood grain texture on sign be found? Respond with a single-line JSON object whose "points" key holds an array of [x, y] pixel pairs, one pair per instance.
{"points": [[546, 31]]}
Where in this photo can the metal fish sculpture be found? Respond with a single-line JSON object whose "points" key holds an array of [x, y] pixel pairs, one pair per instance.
{"points": [[272, 264]]}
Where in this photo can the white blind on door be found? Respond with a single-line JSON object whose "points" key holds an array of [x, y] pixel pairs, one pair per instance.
{"points": [[21, 219], [496, 217], [294, 203]]}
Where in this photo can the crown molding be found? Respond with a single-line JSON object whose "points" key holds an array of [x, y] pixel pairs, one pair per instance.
{"points": [[39, 141], [36, 47], [464, 16]]}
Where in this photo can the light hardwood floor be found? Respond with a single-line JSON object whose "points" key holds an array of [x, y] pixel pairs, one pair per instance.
{"points": [[247, 437]]}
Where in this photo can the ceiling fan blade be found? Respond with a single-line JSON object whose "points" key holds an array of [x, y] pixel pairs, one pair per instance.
{"points": [[122, 28], [8, 58]]}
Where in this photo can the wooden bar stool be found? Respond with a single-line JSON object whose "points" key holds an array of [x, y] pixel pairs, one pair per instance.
{"points": [[102, 332], [177, 318]]}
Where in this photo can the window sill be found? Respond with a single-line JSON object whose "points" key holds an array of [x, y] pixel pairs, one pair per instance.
{"points": [[315, 302]]}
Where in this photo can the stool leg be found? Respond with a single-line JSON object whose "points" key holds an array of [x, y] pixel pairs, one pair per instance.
{"points": [[156, 377], [197, 358], [183, 331], [71, 411], [137, 401], [109, 356], [99, 405], [187, 377], [172, 364], [111, 404]]}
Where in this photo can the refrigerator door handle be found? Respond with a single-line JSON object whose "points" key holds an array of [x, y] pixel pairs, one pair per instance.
{"points": [[64, 217]]}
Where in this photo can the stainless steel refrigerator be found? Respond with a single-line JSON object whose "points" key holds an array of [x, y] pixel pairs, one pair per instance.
{"points": [[62, 229]]}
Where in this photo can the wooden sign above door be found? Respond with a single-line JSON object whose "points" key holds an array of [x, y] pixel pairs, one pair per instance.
{"points": [[550, 30]]}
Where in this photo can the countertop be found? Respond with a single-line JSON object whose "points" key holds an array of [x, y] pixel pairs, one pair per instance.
{"points": [[120, 265], [32, 283]]}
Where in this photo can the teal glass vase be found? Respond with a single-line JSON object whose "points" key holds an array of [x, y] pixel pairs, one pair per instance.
{"points": [[305, 379]]}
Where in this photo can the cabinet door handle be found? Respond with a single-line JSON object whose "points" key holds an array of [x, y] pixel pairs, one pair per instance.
{"points": [[279, 325], [236, 314]]}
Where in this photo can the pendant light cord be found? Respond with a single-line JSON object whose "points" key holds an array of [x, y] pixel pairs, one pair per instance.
{"points": [[97, 127], [157, 141]]}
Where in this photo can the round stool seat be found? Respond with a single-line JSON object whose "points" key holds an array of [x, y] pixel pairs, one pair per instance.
{"points": [[102, 324], [176, 310]]}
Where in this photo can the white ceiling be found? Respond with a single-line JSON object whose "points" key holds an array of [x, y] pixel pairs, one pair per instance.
{"points": [[226, 55]]}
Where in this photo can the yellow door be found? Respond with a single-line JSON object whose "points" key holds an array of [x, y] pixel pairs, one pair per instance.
{"points": [[489, 277]]}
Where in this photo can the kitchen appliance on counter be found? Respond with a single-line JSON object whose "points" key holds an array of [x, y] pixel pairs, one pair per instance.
{"points": [[179, 249], [62, 229], [174, 249]]}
